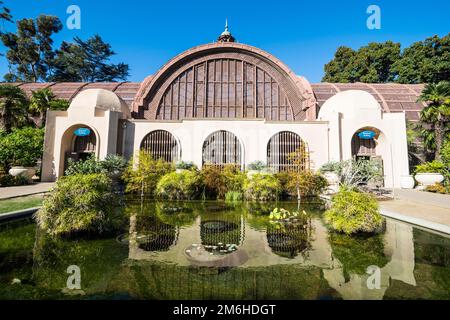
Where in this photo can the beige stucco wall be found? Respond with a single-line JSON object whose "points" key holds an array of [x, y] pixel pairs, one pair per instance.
{"points": [[254, 136]]}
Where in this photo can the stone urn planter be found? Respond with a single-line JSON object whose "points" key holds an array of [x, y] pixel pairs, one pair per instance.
{"points": [[407, 182], [333, 182], [27, 172], [428, 179]]}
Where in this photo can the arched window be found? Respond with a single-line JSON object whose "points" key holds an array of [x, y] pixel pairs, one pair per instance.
{"points": [[286, 151], [222, 147], [161, 144]]}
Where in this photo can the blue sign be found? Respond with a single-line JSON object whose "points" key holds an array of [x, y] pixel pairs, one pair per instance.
{"points": [[82, 132], [366, 134]]}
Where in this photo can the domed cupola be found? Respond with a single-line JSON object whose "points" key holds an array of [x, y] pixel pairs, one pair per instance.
{"points": [[226, 36]]}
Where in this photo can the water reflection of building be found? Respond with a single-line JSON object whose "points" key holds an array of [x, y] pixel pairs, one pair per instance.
{"points": [[289, 240], [398, 247]]}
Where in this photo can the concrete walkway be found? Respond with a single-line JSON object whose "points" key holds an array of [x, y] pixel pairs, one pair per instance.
{"points": [[20, 191], [421, 208]]}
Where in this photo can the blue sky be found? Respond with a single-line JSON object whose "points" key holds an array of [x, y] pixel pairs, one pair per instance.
{"points": [[303, 34]]}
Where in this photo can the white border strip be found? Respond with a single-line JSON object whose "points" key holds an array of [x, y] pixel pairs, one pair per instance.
{"points": [[417, 221]]}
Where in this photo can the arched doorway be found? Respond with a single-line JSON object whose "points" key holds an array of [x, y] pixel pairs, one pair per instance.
{"points": [[367, 146], [221, 148], [79, 142], [161, 144], [286, 151]]}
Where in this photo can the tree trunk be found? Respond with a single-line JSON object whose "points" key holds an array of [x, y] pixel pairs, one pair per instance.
{"points": [[439, 137]]}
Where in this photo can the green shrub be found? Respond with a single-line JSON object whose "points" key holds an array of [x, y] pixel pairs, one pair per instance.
{"points": [[232, 196], [445, 153], [144, 172], [185, 165], [436, 188], [22, 147], [306, 183], [332, 166], [262, 187], [353, 211], [257, 165], [112, 165], [81, 203], [7, 180], [219, 180], [431, 167], [185, 185]]}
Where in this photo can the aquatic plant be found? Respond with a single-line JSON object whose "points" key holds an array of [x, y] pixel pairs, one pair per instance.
{"points": [[262, 187], [80, 203], [184, 185]]}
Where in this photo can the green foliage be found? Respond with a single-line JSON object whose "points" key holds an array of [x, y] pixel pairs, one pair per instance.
{"points": [[7, 180], [112, 165], [43, 100], [306, 183], [29, 49], [233, 196], [425, 61], [185, 185], [353, 173], [5, 14], [81, 203], [144, 172], [357, 252], [22, 147], [262, 187], [371, 63], [435, 117], [257, 166], [87, 61], [13, 107], [436, 188], [332, 166], [445, 153], [431, 167], [218, 181], [185, 165], [353, 212], [283, 214]]}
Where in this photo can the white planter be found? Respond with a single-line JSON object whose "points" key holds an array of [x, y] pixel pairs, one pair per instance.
{"points": [[428, 179], [333, 182], [27, 172], [407, 182]]}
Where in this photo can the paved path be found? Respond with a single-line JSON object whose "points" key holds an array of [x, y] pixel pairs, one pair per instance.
{"points": [[425, 209], [19, 191]]}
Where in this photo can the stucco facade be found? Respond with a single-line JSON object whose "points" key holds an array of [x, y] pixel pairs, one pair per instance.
{"points": [[232, 88]]}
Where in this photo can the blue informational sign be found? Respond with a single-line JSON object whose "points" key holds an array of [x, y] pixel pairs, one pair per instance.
{"points": [[82, 132], [366, 134]]}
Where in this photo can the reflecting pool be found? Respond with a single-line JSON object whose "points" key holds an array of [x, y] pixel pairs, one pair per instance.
{"points": [[218, 250]]}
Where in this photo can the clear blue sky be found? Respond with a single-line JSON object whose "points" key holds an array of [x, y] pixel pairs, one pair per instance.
{"points": [[303, 34]]}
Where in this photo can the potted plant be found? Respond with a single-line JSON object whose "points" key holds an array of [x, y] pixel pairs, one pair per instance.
{"points": [[257, 167], [429, 173], [22, 148], [330, 172]]}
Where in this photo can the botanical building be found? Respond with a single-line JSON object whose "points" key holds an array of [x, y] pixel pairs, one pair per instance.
{"points": [[227, 102]]}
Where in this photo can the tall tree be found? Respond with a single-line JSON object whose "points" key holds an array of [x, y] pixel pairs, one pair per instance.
{"points": [[425, 61], [371, 63], [87, 61], [13, 107], [43, 100], [436, 115], [5, 13], [29, 49]]}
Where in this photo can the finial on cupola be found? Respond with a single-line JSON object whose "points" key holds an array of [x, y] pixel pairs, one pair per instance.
{"points": [[226, 36]]}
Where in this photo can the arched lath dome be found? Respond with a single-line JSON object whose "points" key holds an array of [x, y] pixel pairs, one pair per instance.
{"points": [[224, 80], [101, 99], [351, 103]]}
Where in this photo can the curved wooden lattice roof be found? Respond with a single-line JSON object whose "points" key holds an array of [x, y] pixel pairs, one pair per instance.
{"points": [[392, 97]]}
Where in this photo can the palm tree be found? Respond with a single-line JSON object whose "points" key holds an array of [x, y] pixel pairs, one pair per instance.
{"points": [[13, 107], [436, 115], [43, 100]]}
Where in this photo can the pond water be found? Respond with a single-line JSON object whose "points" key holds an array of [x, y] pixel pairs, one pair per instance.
{"points": [[214, 250]]}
